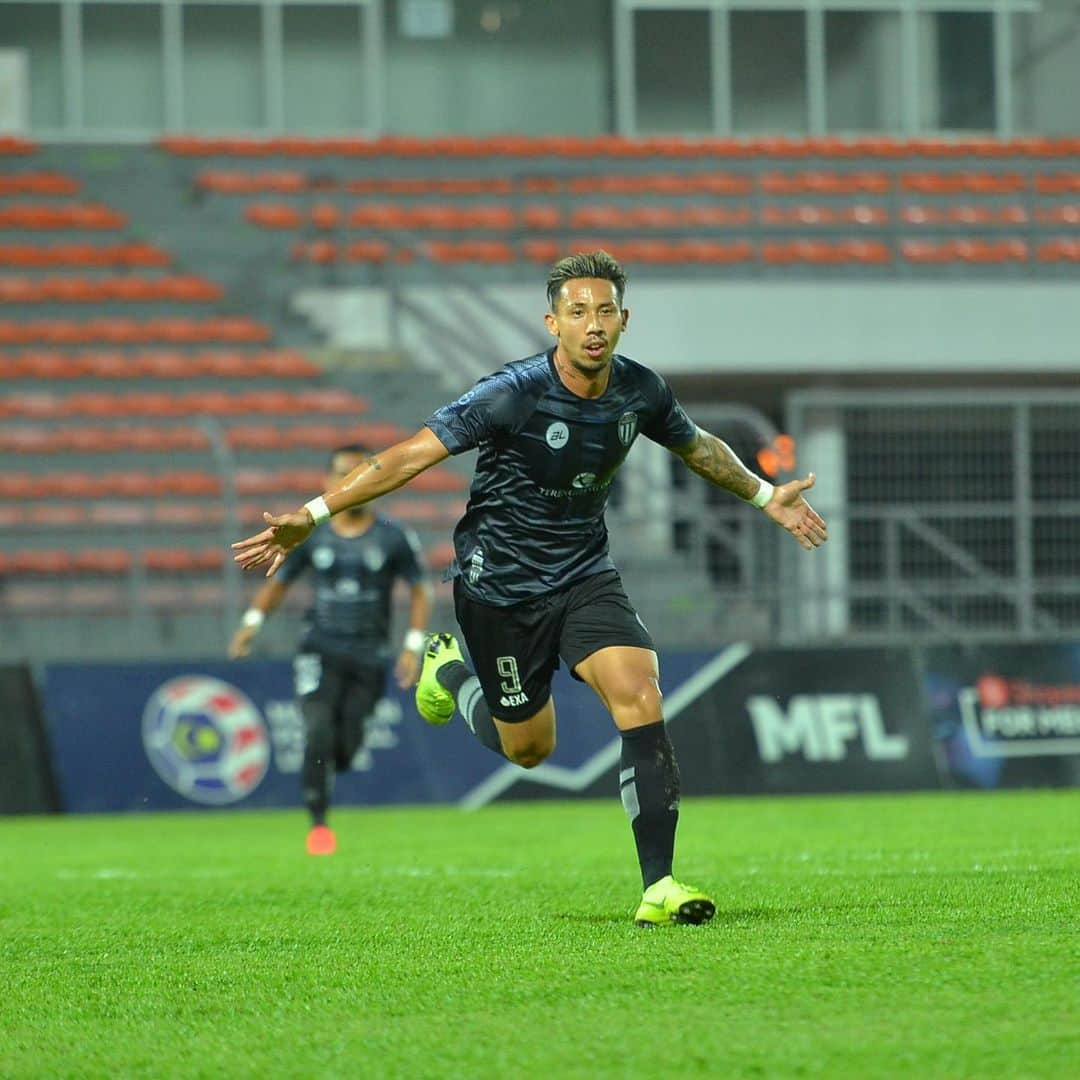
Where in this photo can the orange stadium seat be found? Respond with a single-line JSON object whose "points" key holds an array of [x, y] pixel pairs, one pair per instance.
{"points": [[542, 251], [542, 216], [316, 251], [243, 183], [704, 251], [823, 215], [440, 555], [964, 215], [101, 561], [39, 255], [67, 216], [813, 251], [821, 183], [1068, 214], [15, 145], [482, 251], [44, 563], [1060, 250], [367, 251], [974, 251], [274, 216], [964, 183], [181, 560], [255, 437], [51, 516], [1058, 183], [708, 217], [326, 216], [39, 183]]}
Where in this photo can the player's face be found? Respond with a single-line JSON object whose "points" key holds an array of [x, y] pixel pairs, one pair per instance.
{"points": [[588, 322]]}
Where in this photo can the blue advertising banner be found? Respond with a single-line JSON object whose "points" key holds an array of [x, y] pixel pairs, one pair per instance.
{"points": [[1006, 715], [217, 734], [748, 721]]}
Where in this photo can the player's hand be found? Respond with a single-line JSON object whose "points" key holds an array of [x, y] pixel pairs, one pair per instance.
{"points": [[791, 511], [271, 546], [241, 642], [407, 669]]}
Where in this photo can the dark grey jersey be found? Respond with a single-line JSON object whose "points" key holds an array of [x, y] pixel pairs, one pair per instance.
{"points": [[535, 517], [353, 581]]}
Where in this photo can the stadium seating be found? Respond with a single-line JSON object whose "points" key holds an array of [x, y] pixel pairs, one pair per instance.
{"points": [[126, 365], [649, 197], [49, 255]]}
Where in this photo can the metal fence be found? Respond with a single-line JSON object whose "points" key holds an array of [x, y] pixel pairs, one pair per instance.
{"points": [[953, 516]]}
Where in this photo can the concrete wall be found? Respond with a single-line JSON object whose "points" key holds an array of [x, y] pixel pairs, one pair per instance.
{"points": [[746, 328]]}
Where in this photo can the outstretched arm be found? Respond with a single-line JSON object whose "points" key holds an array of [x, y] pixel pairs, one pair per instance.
{"points": [[407, 668], [713, 459], [262, 603], [379, 474]]}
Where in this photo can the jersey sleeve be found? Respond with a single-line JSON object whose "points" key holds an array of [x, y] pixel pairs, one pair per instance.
{"points": [[480, 414], [667, 422], [409, 560], [296, 562]]}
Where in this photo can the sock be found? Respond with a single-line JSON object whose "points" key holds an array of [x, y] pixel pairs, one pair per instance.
{"points": [[649, 786], [465, 687], [317, 773]]}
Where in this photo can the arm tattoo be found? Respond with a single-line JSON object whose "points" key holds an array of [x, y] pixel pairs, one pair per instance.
{"points": [[373, 461], [713, 459]]}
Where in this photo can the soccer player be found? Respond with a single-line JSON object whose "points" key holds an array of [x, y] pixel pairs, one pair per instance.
{"points": [[534, 581], [341, 668]]}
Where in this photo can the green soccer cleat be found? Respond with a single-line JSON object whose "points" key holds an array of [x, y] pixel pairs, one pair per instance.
{"points": [[433, 702], [668, 901]]}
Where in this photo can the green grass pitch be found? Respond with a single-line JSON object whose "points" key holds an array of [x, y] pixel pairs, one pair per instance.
{"points": [[883, 936]]}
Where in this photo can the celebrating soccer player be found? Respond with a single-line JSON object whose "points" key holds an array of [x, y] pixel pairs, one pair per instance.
{"points": [[534, 581]]}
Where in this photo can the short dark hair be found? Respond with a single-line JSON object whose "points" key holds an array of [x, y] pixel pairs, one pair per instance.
{"points": [[348, 448], [585, 264]]}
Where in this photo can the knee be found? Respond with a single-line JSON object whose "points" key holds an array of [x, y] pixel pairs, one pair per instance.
{"points": [[529, 755], [637, 702]]}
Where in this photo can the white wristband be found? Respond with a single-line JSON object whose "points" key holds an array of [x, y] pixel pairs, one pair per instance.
{"points": [[318, 510], [414, 640], [253, 618], [763, 494]]}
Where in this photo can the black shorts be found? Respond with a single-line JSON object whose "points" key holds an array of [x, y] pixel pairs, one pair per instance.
{"points": [[333, 679], [515, 650]]}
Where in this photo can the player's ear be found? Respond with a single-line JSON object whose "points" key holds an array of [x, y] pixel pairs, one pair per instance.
{"points": [[625, 317], [551, 323]]}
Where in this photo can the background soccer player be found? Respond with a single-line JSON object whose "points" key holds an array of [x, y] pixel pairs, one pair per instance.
{"points": [[535, 582], [345, 650]]}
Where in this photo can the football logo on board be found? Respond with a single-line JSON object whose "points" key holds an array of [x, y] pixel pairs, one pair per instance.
{"points": [[627, 428], [558, 435], [205, 739]]}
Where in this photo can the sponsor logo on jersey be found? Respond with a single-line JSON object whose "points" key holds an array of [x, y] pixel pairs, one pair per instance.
{"points": [[205, 739], [508, 701], [558, 435], [584, 480], [322, 558], [476, 566], [374, 559], [627, 428]]}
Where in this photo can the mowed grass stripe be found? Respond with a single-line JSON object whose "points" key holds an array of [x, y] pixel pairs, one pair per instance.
{"points": [[922, 935]]}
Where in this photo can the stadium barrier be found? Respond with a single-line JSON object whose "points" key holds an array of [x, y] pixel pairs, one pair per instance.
{"points": [[26, 782], [744, 721]]}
